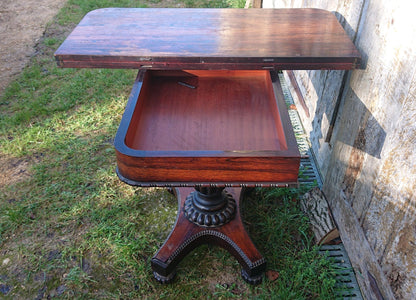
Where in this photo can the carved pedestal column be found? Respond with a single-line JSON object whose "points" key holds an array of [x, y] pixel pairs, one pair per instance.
{"points": [[210, 206]]}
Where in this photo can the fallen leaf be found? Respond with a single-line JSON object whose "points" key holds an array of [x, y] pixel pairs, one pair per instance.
{"points": [[272, 275]]}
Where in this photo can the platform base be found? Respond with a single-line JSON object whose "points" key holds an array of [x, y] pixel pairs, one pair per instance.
{"points": [[186, 236]]}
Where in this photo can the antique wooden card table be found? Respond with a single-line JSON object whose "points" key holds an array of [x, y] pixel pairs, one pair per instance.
{"points": [[206, 114]]}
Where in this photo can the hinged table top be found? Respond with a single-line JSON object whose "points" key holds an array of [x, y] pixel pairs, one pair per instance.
{"points": [[178, 38]]}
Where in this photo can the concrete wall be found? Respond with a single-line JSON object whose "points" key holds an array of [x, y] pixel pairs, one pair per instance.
{"points": [[368, 164]]}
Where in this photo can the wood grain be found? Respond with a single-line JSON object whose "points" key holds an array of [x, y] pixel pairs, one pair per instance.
{"points": [[315, 206], [208, 39]]}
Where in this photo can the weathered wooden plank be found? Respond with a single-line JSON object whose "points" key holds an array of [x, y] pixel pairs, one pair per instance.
{"points": [[390, 218], [257, 3], [370, 275]]}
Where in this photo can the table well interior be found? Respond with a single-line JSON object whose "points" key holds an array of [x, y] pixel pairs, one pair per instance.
{"points": [[224, 127], [206, 110]]}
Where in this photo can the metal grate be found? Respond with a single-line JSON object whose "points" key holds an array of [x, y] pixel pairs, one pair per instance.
{"points": [[309, 174], [346, 282]]}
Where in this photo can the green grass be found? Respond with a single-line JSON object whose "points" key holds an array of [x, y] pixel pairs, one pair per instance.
{"points": [[70, 229]]}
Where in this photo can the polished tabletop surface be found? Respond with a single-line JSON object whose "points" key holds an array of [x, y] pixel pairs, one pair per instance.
{"points": [[175, 38]]}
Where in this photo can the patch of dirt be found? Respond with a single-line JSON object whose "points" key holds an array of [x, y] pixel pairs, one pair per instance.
{"points": [[227, 278], [14, 170], [22, 23]]}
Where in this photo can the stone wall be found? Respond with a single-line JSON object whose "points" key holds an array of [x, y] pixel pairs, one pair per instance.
{"points": [[368, 163]]}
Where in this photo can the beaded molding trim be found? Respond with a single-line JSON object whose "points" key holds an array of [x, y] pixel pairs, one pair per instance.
{"points": [[219, 235]]}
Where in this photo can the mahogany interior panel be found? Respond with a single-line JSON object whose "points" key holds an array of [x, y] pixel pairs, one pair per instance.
{"points": [[206, 110]]}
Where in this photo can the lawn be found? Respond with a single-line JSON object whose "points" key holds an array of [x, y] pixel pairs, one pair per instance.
{"points": [[70, 229]]}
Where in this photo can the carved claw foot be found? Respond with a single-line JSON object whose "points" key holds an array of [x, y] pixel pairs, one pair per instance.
{"points": [[164, 279], [253, 279]]}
